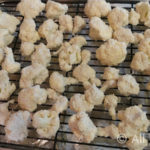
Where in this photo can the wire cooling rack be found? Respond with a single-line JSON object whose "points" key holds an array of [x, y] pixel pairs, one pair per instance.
{"points": [[64, 138]]}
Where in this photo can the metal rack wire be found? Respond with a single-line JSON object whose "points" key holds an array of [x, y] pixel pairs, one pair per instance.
{"points": [[63, 139]]}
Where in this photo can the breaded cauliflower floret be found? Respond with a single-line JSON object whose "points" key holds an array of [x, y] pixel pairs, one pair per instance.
{"points": [[58, 82], [47, 28], [83, 127], [78, 103], [9, 63], [110, 103], [29, 98], [30, 9], [111, 73], [52, 94], [46, 123], [79, 24], [138, 37], [33, 74], [118, 17], [111, 52], [148, 86], [1, 55], [98, 8], [134, 17], [16, 126], [9, 22], [41, 55], [99, 30], [6, 87], [140, 61], [55, 9], [108, 84], [28, 32], [147, 33], [123, 35]]}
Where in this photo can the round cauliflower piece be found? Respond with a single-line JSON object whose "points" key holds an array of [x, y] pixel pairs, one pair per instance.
{"points": [[1, 55], [55, 9], [9, 63], [138, 37], [30, 9], [28, 32], [140, 61], [29, 98], [97, 8], [78, 103], [118, 17], [127, 85], [111, 53], [46, 123], [27, 48], [111, 73], [99, 30], [16, 126], [123, 35], [147, 33], [134, 17]]}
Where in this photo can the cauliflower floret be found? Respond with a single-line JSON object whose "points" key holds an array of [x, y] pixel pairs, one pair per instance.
{"points": [[9, 63], [28, 98], [111, 73], [147, 33], [5, 38], [52, 94], [78, 103], [123, 35], [82, 127], [54, 39], [110, 103], [8, 22], [109, 84], [47, 28], [99, 30], [148, 86], [41, 55], [46, 123], [28, 32], [33, 74], [79, 24], [140, 61], [109, 131], [111, 53], [118, 17], [98, 8], [1, 55], [138, 37], [54, 9], [134, 17], [58, 82], [30, 9], [16, 126], [6, 87]]}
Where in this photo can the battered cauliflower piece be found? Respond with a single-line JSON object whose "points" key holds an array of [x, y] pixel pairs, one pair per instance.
{"points": [[111, 73], [138, 37], [33, 74], [110, 103], [108, 131], [78, 103], [30, 9], [134, 17], [111, 53], [123, 35], [29, 98], [6, 87], [147, 33], [55, 9], [41, 55], [147, 70], [52, 94], [9, 22], [46, 123], [118, 17], [28, 32], [148, 86], [99, 30], [108, 84], [1, 55], [98, 8], [79, 24], [5, 38], [16, 126], [58, 82], [47, 28], [140, 61], [9, 63], [82, 127], [65, 23]]}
